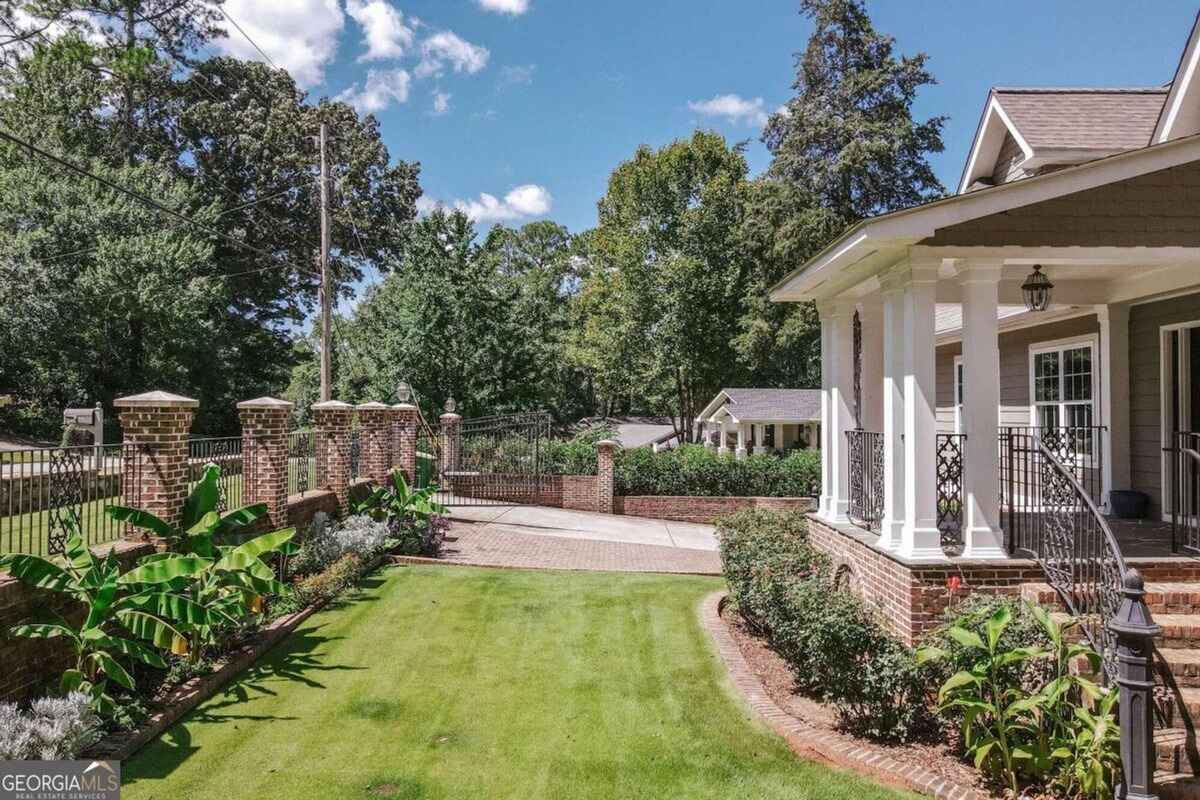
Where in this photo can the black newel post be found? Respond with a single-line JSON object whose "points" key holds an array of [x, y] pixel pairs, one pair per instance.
{"points": [[1135, 632]]}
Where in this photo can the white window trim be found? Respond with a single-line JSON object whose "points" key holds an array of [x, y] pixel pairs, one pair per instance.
{"points": [[1092, 340], [958, 364], [1167, 371]]}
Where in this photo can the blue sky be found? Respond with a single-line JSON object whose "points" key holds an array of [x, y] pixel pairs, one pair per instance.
{"points": [[546, 97]]}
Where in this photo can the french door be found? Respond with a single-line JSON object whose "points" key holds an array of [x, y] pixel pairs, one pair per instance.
{"points": [[1181, 427]]}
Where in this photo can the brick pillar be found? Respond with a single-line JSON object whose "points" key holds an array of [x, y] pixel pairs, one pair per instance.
{"points": [[404, 443], [451, 443], [606, 450], [156, 426], [332, 420], [374, 420], [265, 455]]}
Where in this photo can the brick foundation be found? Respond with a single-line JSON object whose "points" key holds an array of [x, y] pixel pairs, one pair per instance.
{"points": [[265, 455], [157, 424], [375, 423], [913, 596], [332, 420], [704, 509], [404, 439]]}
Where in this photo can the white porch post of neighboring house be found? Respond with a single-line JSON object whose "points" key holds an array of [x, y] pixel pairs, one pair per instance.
{"points": [[983, 537], [722, 446], [919, 536], [840, 397], [741, 440], [760, 439], [1114, 398], [893, 412], [871, 317]]}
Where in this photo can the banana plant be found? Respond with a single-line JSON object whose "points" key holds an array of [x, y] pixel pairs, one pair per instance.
{"points": [[227, 580], [151, 613], [398, 501]]}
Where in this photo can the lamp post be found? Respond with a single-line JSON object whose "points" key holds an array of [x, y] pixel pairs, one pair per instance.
{"points": [[403, 392]]}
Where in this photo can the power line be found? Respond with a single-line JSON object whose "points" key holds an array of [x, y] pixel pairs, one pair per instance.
{"points": [[233, 22], [116, 187]]}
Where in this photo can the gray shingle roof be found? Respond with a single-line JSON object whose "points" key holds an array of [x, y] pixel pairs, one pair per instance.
{"points": [[1100, 118], [799, 405]]}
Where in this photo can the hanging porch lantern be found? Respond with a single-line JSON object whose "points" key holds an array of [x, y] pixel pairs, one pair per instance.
{"points": [[1038, 290]]}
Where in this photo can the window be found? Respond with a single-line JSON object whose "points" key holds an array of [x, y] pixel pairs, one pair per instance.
{"points": [[1063, 390]]}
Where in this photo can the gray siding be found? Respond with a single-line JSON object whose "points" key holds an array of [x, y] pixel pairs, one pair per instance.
{"points": [[1014, 368], [1145, 387]]}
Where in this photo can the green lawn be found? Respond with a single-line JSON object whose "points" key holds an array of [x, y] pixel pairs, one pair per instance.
{"points": [[446, 682]]}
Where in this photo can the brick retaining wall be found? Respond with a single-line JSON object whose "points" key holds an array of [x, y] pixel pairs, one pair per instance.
{"points": [[703, 509]]}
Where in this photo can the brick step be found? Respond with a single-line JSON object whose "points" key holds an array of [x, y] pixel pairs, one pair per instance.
{"points": [[1174, 707], [1163, 597], [1176, 786], [1178, 630], [1173, 753], [1183, 664]]}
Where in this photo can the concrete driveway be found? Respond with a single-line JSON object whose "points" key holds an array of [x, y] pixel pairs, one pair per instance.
{"points": [[582, 525]]}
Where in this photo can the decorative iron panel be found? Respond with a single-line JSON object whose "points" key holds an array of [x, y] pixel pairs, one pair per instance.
{"points": [[865, 451], [497, 460], [950, 500], [66, 497]]}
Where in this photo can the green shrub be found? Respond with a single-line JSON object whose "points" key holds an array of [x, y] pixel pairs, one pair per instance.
{"points": [[972, 615], [835, 645], [694, 470], [339, 577]]}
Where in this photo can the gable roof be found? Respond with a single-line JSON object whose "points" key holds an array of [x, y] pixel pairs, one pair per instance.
{"points": [[1180, 114], [1103, 119], [767, 405]]}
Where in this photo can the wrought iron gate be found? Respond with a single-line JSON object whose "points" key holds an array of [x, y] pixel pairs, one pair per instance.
{"points": [[488, 461]]}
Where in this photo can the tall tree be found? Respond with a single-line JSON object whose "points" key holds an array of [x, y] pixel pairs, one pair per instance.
{"points": [[669, 275], [848, 137]]}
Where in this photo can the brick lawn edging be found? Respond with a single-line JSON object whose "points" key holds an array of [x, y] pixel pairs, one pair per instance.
{"points": [[703, 509], [804, 740], [186, 696]]}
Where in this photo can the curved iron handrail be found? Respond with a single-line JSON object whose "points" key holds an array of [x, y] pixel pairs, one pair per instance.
{"points": [[1080, 555]]}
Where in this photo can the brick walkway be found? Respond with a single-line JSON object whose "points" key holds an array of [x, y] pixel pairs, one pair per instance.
{"points": [[484, 545]]}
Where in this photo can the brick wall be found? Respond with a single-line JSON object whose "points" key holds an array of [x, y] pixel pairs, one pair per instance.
{"points": [[25, 664], [542, 490], [580, 492], [703, 509]]}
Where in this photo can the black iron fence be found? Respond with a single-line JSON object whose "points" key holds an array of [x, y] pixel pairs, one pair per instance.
{"points": [[951, 458], [355, 454], [496, 460], [1184, 454], [226, 453], [302, 462], [1023, 473], [44, 490], [865, 451]]}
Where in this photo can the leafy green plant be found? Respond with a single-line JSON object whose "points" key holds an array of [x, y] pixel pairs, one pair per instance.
{"points": [[693, 470], [398, 501], [228, 581], [111, 610], [1059, 730]]}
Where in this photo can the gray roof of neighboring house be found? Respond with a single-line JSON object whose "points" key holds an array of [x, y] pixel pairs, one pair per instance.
{"points": [[775, 404], [635, 431], [1094, 118]]}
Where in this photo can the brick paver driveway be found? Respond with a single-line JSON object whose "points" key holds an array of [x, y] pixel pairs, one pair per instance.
{"points": [[551, 538]]}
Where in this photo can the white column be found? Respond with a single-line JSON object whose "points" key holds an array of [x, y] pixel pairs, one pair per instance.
{"points": [[814, 435], [760, 438], [983, 536], [842, 409], [919, 537], [891, 528], [741, 440], [777, 436], [871, 316], [1114, 398], [826, 314]]}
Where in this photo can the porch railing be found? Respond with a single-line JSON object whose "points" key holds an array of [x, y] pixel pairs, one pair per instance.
{"points": [[1185, 491], [43, 490], [1023, 451], [1052, 515], [951, 457], [865, 449]]}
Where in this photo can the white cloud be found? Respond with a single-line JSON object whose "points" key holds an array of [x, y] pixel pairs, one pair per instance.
{"points": [[384, 31], [517, 74], [441, 103], [447, 47], [381, 88], [427, 205], [514, 7], [734, 108], [529, 200], [300, 36]]}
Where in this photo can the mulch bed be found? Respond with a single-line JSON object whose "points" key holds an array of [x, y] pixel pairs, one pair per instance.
{"points": [[811, 728]]}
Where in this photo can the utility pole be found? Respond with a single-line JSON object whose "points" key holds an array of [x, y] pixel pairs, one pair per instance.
{"points": [[326, 294]]}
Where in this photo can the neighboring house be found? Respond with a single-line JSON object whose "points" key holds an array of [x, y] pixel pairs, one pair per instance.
{"points": [[632, 432], [761, 420], [979, 427]]}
